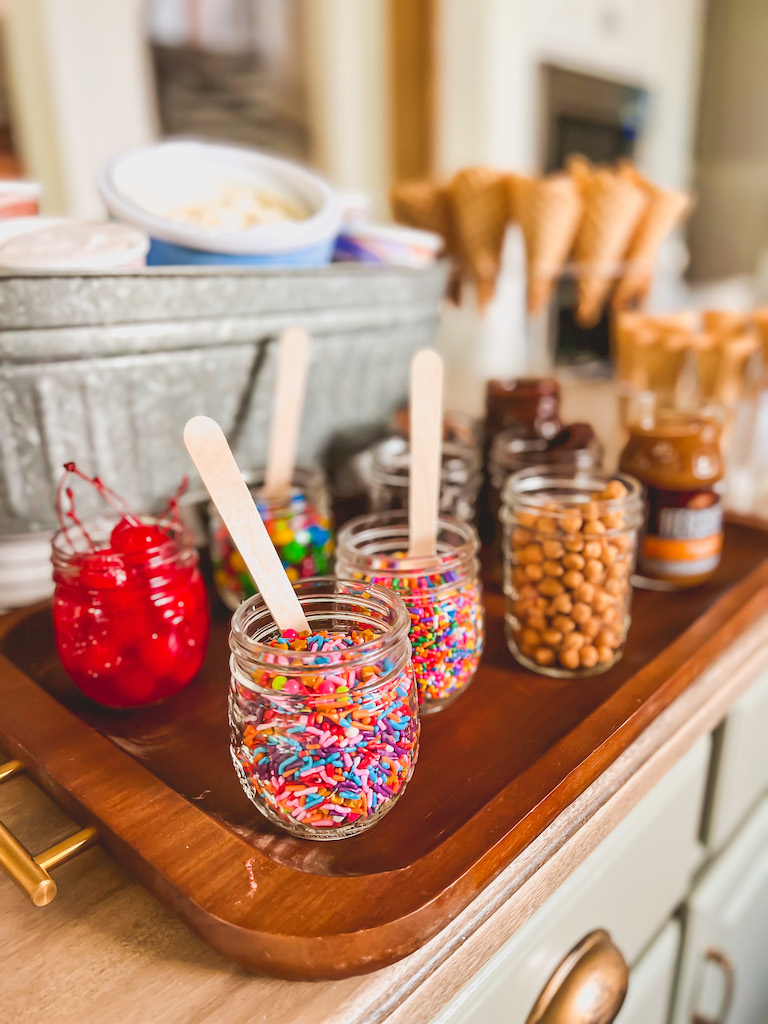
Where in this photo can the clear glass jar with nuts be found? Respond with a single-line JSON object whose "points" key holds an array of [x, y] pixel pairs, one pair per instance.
{"points": [[570, 540]]}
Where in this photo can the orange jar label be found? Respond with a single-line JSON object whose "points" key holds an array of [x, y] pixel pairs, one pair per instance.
{"points": [[683, 535]]}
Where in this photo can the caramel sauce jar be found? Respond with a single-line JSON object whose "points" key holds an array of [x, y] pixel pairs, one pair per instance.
{"points": [[676, 455]]}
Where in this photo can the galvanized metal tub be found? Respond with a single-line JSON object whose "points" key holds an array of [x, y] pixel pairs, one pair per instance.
{"points": [[105, 369]]}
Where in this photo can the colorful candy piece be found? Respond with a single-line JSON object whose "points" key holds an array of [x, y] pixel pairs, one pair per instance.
{"points": [[340, 747]]}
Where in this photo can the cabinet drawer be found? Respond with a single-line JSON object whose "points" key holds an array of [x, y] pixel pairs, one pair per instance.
{"points": [[739, 774], [726, 932], [629, 886]]}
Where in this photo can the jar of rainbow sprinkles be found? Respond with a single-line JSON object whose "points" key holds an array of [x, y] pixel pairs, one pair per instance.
{"points": [[443, 596], [299, 526], [324, 726]]}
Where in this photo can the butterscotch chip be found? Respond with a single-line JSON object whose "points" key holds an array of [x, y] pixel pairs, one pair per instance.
{"points": [[593, 549], [530, 553], [540, 604], [591, 628], [623, 541], [534, 572], [606, 638], [536, 621], [574, 641], [590, 510], [612, 520], [585, 593], [573, 543], [614, 587], [594, 571], [530, 637], [612, 618], [581, 613], [553, 549], [605, 654], [551, 587], [552, 637], [573, 561], [546, 524], [569, 659], [526, 649], [563, 624], [601, 601], [593, 527], [619, 570], [614, 489], [573, 579], [553, 568], [521, 537], [519, 578], [588, 656], [609, 554], [544, 656], [571, 522], [527, 519], [560, 605]]}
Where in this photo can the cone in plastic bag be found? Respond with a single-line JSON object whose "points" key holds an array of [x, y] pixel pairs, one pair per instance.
{"points": [[613, 206], [423, 205], [479, 202], [549, 211], [665, 209]]}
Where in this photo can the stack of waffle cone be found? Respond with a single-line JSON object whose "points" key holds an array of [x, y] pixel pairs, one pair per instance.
{"points": [[423, 205], [665, 208], [479, 204], [549, 211], [613, 206]]}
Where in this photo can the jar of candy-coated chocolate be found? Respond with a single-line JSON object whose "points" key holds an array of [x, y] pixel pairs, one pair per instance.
{"points": [[575, 445], [676, 456], [300, 528], [443, 596], [460, 478], [570, 540], [130, 609], [324, 726]]}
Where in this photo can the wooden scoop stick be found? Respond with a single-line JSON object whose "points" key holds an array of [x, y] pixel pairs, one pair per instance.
{"points": [[287, 407], [216, 465], [426, 417]]}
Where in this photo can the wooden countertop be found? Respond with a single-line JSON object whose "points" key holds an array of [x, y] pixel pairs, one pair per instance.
{"points": [[106, 952]]}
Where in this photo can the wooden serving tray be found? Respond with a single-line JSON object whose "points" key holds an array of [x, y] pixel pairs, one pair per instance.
{"points": [[495, 769]]}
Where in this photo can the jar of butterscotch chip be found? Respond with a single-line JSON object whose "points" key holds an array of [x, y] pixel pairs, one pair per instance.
{"points": [[570, 541]]}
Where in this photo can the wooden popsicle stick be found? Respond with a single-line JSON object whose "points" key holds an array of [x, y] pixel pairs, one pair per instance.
{"points": [[287, 409], [218, 470], [426, 415]]}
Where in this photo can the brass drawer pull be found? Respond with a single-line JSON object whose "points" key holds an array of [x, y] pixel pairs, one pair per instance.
{"points": [[728, 969], [587, 987], [31, 873]]}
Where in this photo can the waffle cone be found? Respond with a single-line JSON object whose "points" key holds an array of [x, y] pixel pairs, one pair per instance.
{"points": [[613, 206], [724, 323], [479, 202], [423, 205], [549, 211], [664, 210]]}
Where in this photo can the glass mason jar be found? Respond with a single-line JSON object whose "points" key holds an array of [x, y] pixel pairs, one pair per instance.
{"points": [[131, 627], [324, 743], [510, 453], [460, 478], [570, 540], [443, 596], [299, 525]]}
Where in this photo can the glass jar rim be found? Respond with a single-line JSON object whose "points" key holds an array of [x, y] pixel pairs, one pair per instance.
{"points": [[528, 490], [304, 478], [366, 529], [309, 591], [64, 554], [454, 454]]}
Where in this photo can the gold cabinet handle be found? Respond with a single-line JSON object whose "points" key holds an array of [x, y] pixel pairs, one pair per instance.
{"points": [[728, 969], [31, 873], [588, 986]]}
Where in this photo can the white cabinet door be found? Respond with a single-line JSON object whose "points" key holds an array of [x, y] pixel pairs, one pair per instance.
{"points": [[649, 999], [726, 921], [629, 886], [740, 764]]}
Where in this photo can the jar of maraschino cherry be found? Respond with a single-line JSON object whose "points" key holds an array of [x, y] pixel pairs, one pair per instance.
{"points": [[130, 608]]}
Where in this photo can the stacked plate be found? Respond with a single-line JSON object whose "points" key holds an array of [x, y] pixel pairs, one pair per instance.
{"points": [[25, 569]]}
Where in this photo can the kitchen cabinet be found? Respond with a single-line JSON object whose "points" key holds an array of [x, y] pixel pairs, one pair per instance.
{"points": [[725, 942]]}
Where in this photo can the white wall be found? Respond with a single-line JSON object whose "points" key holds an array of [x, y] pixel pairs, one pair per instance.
{"points": [[81, 92]]}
